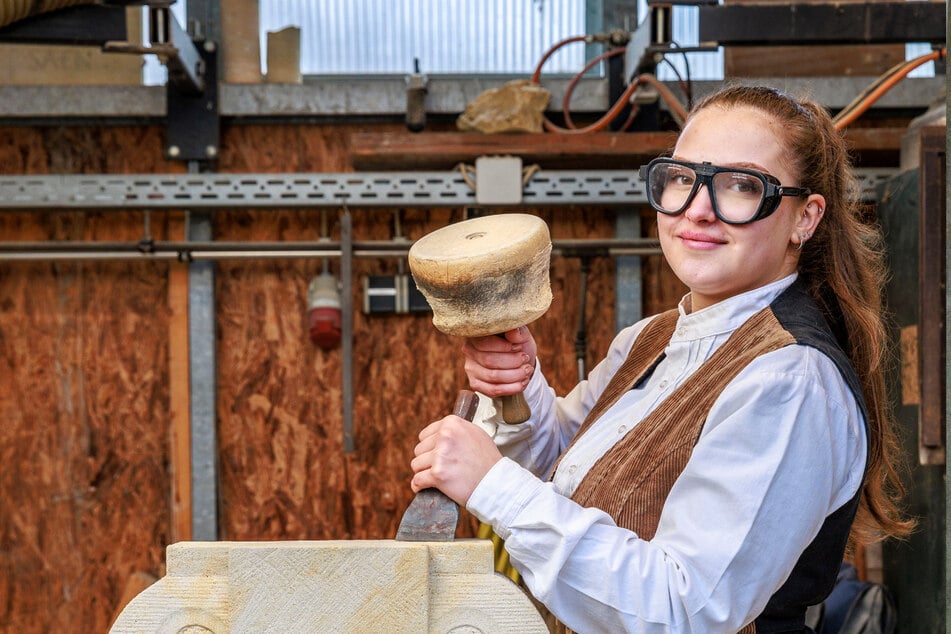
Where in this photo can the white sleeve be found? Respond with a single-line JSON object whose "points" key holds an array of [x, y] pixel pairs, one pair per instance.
{"points": [[537, 443], [783, 447]]}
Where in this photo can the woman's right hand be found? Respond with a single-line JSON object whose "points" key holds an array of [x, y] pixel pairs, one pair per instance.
{"points": [[500, 365]]}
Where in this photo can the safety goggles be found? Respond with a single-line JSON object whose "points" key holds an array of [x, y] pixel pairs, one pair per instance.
{"points": [[739, 196]]}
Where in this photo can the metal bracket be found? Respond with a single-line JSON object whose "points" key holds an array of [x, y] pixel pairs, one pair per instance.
{"points": [[187, 68], [192, 123]]}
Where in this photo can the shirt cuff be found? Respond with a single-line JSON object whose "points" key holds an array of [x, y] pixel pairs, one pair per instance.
{"points": [[502, 494]]}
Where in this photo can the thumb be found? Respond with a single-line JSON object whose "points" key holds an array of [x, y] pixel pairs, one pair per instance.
{"points": [[518, 335]]}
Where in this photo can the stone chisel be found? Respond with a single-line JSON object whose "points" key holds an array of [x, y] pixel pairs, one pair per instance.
{"points": [[432, 516]]}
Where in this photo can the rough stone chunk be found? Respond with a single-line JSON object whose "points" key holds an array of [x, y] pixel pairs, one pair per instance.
{"points": [[516, 106]]}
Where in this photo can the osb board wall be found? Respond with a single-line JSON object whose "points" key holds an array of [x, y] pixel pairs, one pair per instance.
{"points": [[84, 375], [83, 399]]}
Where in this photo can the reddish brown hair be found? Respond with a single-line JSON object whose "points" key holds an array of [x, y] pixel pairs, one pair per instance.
{"points": [[843, 268]]}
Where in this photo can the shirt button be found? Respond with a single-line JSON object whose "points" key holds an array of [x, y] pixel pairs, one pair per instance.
{"points": [[681, 332], [663, 385], [621, 429], [572, 468]]}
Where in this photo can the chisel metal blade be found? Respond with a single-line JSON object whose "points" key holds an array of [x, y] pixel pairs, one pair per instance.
{"points": [[432, 516]]}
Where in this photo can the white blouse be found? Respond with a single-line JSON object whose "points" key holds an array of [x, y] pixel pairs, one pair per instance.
{"points": [[782, 448]]}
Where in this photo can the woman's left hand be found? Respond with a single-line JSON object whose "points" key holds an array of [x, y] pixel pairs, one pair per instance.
{"points": [[453, 455]]}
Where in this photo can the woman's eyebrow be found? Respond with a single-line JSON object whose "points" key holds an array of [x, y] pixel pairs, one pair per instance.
{"points": [[740, 165]]}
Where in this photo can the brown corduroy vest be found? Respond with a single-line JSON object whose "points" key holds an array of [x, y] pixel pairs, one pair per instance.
{"points": [[632, 480]]}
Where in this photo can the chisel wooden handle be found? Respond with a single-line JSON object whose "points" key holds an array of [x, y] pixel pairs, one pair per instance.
{"points": [[515, 408], [466, 404]]}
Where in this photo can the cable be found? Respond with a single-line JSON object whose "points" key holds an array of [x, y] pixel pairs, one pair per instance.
{"points": [[886, 82], [678, 111], [686, 86], [565, 107], [676, 108], [551, 51]]}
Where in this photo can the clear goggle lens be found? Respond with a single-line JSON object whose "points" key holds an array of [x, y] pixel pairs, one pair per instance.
{"points": [[737, 195]]}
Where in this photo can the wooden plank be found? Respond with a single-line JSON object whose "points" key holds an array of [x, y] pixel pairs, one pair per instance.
{"points": [[603, 150], [932, 294], [179, 405], [443, 150]]}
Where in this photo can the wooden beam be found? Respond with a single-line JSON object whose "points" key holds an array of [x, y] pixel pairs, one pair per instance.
{"points": [[179, 397], [445, 150], [600, 150]]}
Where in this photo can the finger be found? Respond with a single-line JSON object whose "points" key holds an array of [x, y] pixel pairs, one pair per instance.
{"points": [[420, 481], [494, 390], [518, 335], [422, 462], [514, 375], [425, 444], [428, 430], [476, 361]]}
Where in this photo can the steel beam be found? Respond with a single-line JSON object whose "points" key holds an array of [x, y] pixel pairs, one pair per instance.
{"points": [[826, 23]]}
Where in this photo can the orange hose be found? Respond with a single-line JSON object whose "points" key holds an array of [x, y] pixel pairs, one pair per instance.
{"points": [[601, 123], [846, 117], [538, 69], [677, 108], [680, 113], [574, 81]]}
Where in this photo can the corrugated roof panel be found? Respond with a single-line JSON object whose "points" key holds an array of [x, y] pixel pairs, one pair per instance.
{"points": [[377, 37]]}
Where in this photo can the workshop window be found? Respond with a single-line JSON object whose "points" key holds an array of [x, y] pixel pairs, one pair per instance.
{"points": [[463, 37]]}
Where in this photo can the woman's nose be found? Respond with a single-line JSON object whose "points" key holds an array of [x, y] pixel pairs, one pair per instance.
{"points": [[700, 208]]}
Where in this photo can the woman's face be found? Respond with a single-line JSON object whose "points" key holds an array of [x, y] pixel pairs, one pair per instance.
{"points": [[714, 259]]}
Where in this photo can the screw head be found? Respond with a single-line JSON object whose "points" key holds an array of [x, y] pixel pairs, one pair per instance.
{"points": [[211, 151], [174, 150]]}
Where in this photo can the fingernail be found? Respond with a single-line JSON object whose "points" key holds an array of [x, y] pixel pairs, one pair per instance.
{"points": [[516, 347], [525, 358], [528, 370]]}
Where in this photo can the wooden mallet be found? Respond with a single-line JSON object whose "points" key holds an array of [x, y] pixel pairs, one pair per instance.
{"points": [[485, 276]]}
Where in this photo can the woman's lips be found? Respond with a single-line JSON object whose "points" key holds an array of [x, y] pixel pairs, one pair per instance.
{"points": [[699, 240]]}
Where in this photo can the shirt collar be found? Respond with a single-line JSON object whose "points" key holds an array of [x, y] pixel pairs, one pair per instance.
{"points": [[729, 314]]}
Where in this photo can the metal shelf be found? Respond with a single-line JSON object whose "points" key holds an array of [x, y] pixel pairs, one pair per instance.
{"points": [[313, 190]]}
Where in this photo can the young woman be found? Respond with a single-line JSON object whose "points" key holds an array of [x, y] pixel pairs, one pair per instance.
{"points": [[712, 469]]}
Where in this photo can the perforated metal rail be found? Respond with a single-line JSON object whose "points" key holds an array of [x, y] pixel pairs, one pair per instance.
{"points": [[367, 189]]}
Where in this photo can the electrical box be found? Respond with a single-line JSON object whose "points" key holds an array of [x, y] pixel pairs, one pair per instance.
{"points": [[392, 294], [498, 180]]}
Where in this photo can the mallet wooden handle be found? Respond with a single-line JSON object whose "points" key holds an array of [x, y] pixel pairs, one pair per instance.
{"points": [[515, 408]]}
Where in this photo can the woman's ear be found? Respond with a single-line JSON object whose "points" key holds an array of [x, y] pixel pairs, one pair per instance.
{"points": [[809, 219], [811, 214]]}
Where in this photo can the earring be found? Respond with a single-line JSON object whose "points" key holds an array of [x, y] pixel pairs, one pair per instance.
{"points": [[803, 236]]}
